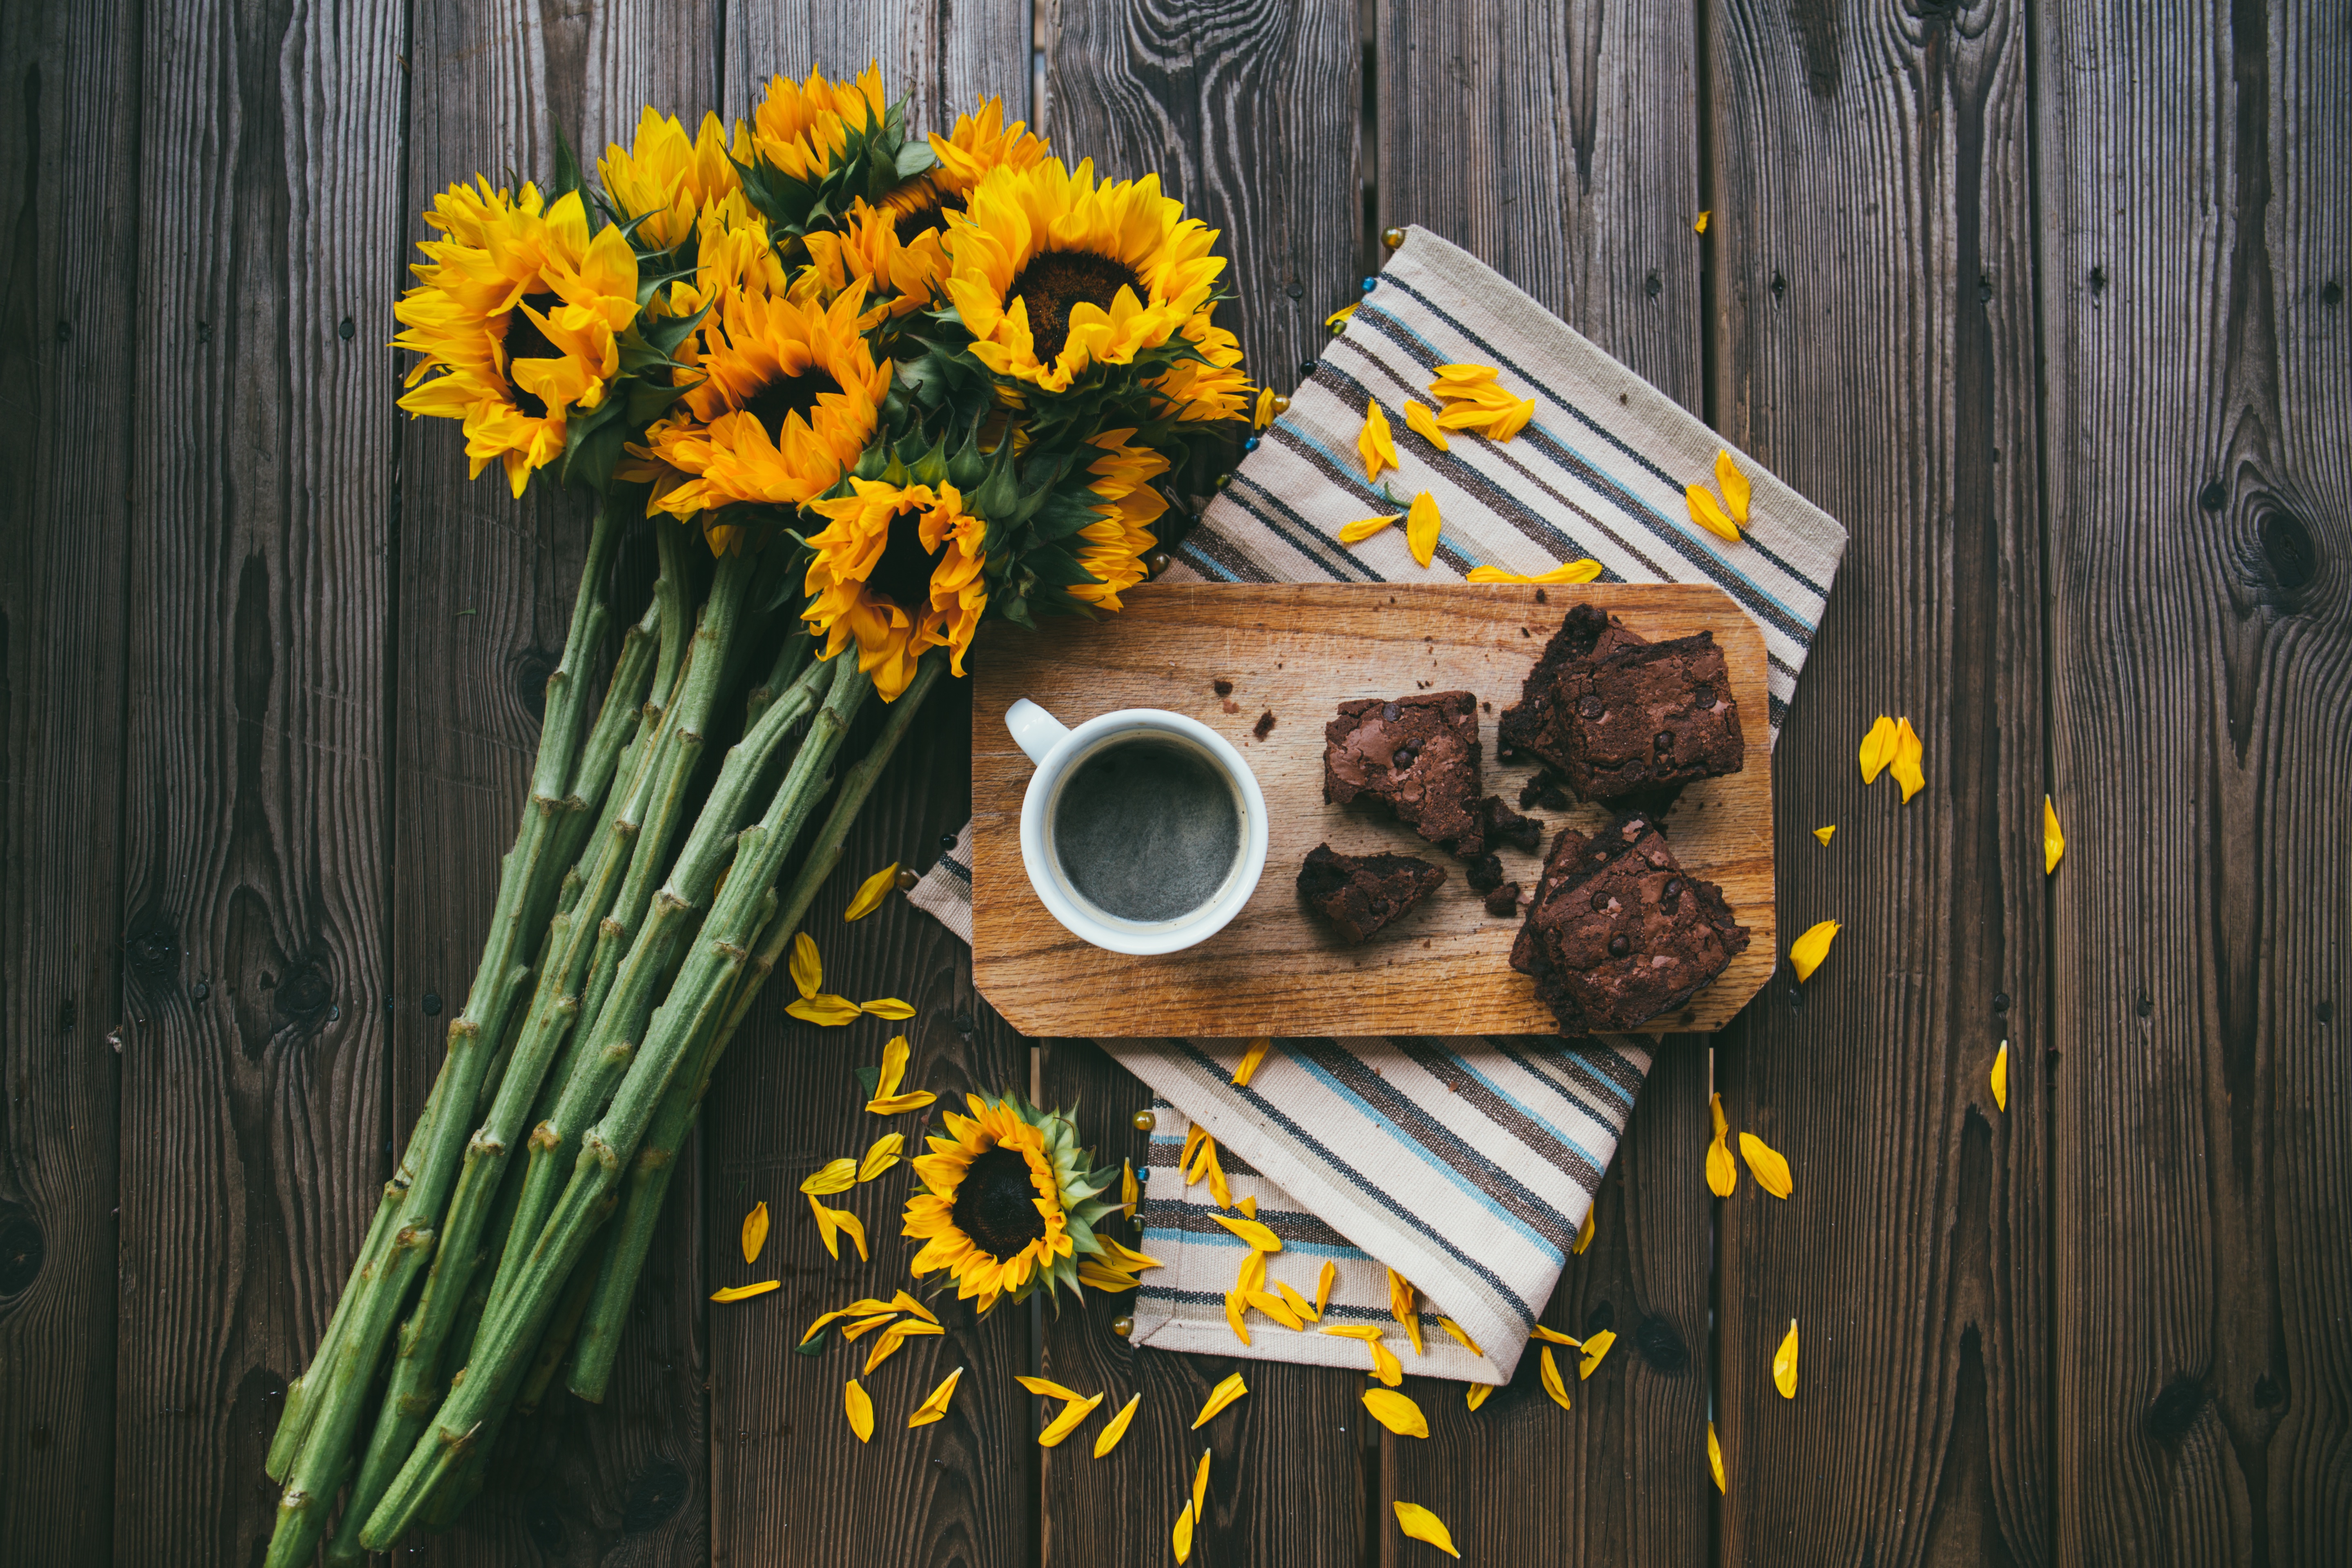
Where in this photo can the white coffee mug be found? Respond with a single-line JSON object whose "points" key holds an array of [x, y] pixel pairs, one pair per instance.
{"points": [[1057, 750]]}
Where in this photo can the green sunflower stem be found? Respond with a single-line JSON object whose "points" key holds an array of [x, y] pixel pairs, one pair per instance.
{"points": [[519, 1313], [650, 1172], [323, 1426]]}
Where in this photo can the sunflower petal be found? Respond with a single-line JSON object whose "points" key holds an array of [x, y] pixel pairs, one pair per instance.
{"points": [[1277, 1308], [830, 1011], [1877, 749], [899, 1104], [1073, 1416], [935, 1404], [860, 1411], [894, 1067], [1108, 1438], [1250, 1060], [1461, 1335], [1553, 1336], [832, 1176], [855, 1331], [1805, 954], [1396, 1412], [1477, 1394], [1421, 527], [1737, 491], [1552, 1382], [1784, 1363], [1256, 1236], [868, 898], [1129, 1193], [1218, 1191], [1403, 1308], [1385, 1365], [1048, 1387], [1248, 1206], [1906, 765], [1715, 1458], [886, 1346], [1823, 834], [1181, 1540], [1375, 445], [1363, 528], [755, 1231], [1262, 414], [1583, 571], [1341, 314], [1298, 1303], [745, 1292], [850, 1224], [1201, 1487], [2054, 842], [1767, 1165], [1252, 1274], [1584, 1231], [2001, 1076], [804, 966], [889, 1007], [1595, 1347], [907, 1303], [1236, 1306], [1102, 1277], [1224, 1393], [1423, 1525], [881, 1156], [1424, 424], [1327, 1278], [1705, 512]]}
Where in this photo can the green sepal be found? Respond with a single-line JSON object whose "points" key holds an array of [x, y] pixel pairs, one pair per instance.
{"points": [[816, 1345], [568, 175]]}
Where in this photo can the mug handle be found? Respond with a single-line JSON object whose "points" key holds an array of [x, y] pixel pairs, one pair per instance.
{"points": [[1034, 731]]}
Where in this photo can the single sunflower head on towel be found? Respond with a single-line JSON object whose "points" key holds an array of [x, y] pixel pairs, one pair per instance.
{"points": [[1010, 1202]]}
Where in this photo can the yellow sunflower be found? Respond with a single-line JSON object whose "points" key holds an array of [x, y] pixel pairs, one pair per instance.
{"points": [[1053, 274], [898, 570], [803, 128], [1212, 388], [1114, 548], [790, 395], [515, 318], [1008, 1203], [666, 179]]}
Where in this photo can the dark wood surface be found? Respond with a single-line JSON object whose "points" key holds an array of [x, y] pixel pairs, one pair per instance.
{"points": [[2046, 304]]}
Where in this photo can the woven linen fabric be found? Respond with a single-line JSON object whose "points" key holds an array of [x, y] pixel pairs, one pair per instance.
{"points": [[1468, 1166]]}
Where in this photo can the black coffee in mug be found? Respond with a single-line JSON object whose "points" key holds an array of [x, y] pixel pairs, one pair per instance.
{"points": [[1148, 829]]}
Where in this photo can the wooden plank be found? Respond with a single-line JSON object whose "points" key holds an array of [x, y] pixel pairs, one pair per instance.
{"points": [[1296, 651], [1870, 240], [485, 593], [940, 57], [1249, 114], [790, 1481], [2194, 170], [68, 147], [1561, 144], [260, 468]]}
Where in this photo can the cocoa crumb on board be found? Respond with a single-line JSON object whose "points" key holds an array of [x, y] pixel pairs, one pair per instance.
{"points": [[1540, 599], [1265, 724], [1523, 631], [1223, 687], [1230, 706], [1488, 706]]}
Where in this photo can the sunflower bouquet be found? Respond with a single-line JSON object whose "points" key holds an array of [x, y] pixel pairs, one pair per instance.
{"points": [[871, 389]]}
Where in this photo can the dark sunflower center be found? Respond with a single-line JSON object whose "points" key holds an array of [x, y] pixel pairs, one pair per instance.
{"points": [[788, 394], [913, 225], [1056, 280], [997, 1205], [903, 576], [525, 340]]}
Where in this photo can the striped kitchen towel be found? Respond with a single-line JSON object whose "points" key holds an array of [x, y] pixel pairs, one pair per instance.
{"points": [[1467, 1167]]}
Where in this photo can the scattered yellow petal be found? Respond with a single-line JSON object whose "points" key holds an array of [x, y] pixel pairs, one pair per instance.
{"points": [[1364, 1331], [1708, 512], [1363, 528], [1047, 1386], [863, 1326], [1552, 1384], [1341, 314], [842, 1220], [1584, 571], [894, 1067], [1823, 834], [860, 1411], [1073, 1416], [1461, 1334], [1250, 1059], [1736, 491], [1120, 1256], [832, 1011], [2053, 843], [1805, 954], [2001, 1076], [1700, 227], [1584, 1231], [1905, 766], [1102, 1277], [1765, 1165], [1404, 1309], [889, 1007], [804, 966], [1385, 1365], [1465, 375], [885, 1346], [855, 1310], [755, 1231], [1424, 424], [1595, 1347], [1222, 1194], [1107, 1439], [1277, 1308], [745, 1292], [1192, 1136], [1195, 1508], [870, 896], [1259, 1238], [1252, 1272], [899, 1104], [1722, 1171], [1236, 1307], [881, 1156], [1513, 420], [1324, 1280], [1182, 1539], [936, 1404], [1553, 1336], [1394, 1411], [1421, 527], [1224, 1393], [1877, 749], [1375, 443], [1298, 1303], [1423, 1525], [1201, 1487], [1715, 1458], [1129, 1193], [1262, 415], [907, 1303], [1477, 1394], [833, 1176], [1248, 1206], [1784, 1363]]}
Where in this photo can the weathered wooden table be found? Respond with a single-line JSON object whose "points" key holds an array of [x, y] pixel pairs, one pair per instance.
{"points": [[2046, 303]]}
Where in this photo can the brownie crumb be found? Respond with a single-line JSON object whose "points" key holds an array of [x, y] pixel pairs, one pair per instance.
{"points": [[1485, 874], [1540, 599], [1230, 706], [1223, 687], [1504, 902], [1265, 724]]}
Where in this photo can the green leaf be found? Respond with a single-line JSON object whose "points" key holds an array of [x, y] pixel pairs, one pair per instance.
{"points": [[817, 1343], [871, 1076]]}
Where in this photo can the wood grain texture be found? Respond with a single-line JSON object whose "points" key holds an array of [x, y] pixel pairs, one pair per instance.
{"points": [[484, 595], [1296, 651], [259, 471], [1294, 1480], [1248, 111], [1873, 242], [943, 58], [790, 1481], [69, 130], [2199, 419], [1559, 145]]}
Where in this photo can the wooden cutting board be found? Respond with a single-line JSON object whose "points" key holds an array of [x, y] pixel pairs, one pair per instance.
{"points": [[1292, 654]]}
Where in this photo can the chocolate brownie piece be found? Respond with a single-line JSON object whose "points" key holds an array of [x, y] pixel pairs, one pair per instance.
{"points": [[1359, 894], [1619, 933], [1485, 874], [1624, 717], [1504, 902], [1496, 823], [1419, 754]]}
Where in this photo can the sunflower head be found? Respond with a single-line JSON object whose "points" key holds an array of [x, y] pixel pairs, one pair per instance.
{"points": [[810, 147], [665, 181], [897, 570], [1126, 507], [1009, 1203]]}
